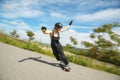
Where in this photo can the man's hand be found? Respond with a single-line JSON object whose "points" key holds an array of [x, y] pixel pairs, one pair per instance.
{"points": [[43, 29], [71, 22]]}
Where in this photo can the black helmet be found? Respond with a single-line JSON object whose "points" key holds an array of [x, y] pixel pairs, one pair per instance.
{"points": [[58, 25]]}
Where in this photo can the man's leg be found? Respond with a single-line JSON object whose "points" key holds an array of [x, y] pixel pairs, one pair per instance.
{"points": [[62, 55], [63, 58], [55, 52]]}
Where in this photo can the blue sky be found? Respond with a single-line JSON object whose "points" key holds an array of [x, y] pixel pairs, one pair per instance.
{"points": [[32, 14]]}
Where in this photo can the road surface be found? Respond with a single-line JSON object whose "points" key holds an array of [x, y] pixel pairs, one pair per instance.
{"points": [[20, 64]]}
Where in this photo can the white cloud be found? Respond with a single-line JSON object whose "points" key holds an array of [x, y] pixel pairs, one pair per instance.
{"points": [[17, 24], [27, 12], [101, 15], [22, 34], [5, 27], [60, 15], [22, 12], [40, 37], [86, 6], [65, 37], [33, 8], [116, 30], [55, 14], [57, 1], [83, 27], [24, 9]]}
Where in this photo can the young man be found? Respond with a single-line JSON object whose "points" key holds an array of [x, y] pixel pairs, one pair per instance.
{"points": [[55, 44]]}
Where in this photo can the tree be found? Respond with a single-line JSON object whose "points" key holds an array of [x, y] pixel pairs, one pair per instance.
{"points": [[14, 34], [73, 40], [102, 48], [30, 34]]}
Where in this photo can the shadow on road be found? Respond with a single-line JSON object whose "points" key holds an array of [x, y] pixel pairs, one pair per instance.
{"points": [[39, 60]]}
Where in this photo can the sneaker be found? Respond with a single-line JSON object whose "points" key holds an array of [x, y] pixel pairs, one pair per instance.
{"points": [[67, 67], [62, 63]]}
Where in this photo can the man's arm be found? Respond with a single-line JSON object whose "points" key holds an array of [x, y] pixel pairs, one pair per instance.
{"points": [[66, 27], [45, 31]]}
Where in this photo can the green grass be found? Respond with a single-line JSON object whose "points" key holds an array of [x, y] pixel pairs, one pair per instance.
{"points": [[92, 63], [32, 46], [45, 49]]}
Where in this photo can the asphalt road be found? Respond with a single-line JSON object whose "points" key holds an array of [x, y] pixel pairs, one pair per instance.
{"points": [[20, 64]]}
